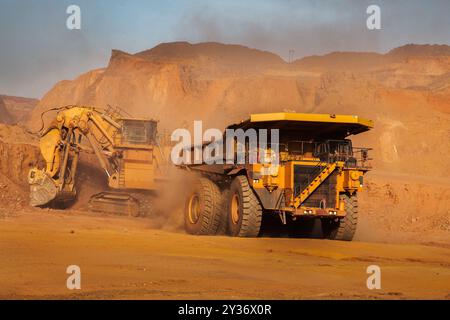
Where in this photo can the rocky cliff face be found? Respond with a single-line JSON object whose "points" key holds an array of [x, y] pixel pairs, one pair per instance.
{"points": [[19, 151], [18, 108], [405, 91], [5, 117]]}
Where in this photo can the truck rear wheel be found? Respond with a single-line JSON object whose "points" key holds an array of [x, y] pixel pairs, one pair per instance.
{"points": [[203, 210], [244, 209], [343, 228]]}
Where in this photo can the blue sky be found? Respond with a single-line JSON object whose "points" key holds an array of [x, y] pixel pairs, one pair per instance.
{"points": [[37, 50]]}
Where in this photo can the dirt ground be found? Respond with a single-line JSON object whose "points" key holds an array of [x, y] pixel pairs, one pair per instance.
{"points": [[404, 228], [126, 258]]}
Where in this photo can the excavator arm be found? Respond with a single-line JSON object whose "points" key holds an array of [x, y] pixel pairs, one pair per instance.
{"points": [[60, 145]]}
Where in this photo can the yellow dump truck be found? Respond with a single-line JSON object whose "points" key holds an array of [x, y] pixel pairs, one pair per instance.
{"points": [[317, 176]]}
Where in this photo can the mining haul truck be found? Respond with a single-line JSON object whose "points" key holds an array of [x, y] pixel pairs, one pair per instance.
{"points": [[318, 177], [126, 148]]}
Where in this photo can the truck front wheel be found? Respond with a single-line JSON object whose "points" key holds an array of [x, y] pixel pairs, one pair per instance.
{"points": [[244, 209], [343, 228]]}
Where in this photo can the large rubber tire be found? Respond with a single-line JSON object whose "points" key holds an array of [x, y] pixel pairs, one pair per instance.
{"points": [[343, 228], [244, 209], [203, 209]]}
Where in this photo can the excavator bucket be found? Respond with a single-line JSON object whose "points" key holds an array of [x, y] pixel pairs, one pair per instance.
{"points": [[42, 188]]}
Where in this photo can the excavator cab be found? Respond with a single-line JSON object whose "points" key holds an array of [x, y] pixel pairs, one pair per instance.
{"points": [[139, 131], [137, 155]]}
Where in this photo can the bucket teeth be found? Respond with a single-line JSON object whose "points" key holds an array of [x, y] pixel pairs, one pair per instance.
{"points": [[42, 188]]}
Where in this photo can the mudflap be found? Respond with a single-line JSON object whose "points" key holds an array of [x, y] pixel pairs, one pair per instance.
{"points": [[115, 202], [42, 188]]}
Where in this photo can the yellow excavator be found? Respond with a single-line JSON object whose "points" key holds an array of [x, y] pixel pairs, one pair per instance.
{"points": [[127, 149]]}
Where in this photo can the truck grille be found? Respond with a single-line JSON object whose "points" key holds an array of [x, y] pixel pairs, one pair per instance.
{"points": [[324, 195]]}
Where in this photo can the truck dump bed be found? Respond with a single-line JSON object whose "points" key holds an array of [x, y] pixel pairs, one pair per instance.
{"points": [[308, 125]]}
